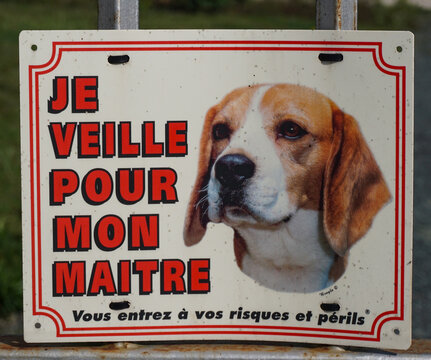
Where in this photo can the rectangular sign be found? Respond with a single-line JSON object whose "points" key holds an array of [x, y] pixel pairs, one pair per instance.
{"points": [[217, 185]]}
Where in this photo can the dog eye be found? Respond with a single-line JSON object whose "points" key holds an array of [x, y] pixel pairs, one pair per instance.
{"points": [[290, 130], [221, 131]]}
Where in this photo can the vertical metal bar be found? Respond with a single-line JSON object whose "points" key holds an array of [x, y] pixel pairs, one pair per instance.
{"points": [[337, 14], [118, 14]]}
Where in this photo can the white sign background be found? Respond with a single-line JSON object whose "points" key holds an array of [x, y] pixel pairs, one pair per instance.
{"points": [[179, 75]]}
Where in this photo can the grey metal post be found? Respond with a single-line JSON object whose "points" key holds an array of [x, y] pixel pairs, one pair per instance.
{"points": [[337, 14], [118, 14]]}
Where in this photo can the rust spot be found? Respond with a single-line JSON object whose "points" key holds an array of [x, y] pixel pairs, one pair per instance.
{"points": [[422, 346], [355, 15], [338, 15]]}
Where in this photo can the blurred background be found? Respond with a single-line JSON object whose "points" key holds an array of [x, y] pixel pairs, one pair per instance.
{"points": [[17, 15]]}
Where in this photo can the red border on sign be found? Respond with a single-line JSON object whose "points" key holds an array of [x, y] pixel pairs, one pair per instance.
{"points": [[374, 48]]}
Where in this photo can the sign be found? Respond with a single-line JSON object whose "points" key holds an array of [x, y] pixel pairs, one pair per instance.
{"points": [[217, 185]]}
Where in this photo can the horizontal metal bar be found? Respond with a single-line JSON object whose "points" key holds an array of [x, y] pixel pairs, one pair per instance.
{"points": [[13, 347]]}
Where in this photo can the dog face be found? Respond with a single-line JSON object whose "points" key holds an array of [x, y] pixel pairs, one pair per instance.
{"points": [[268, 154], [268, 151]]}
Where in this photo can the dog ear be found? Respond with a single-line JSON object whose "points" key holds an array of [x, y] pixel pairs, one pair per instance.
{"points": [[196, 217], [354, 189]]}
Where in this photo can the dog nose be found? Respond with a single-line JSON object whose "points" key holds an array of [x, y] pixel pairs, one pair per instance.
{"points": [[233, 169]]}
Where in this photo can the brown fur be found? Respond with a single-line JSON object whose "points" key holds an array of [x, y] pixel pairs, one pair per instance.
{"points": [[196, 222], [239, 248], [338, 267], [354, 188]]}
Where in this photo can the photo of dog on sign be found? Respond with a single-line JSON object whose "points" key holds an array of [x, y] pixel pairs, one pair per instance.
{"points": [[293, 176]]}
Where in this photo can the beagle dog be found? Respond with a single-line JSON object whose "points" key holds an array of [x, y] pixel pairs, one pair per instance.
{"points": [[293, 176]]}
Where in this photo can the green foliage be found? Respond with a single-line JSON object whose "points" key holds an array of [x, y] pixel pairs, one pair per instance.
{"points": [[196, 5], [10, 269], [399, 16]]}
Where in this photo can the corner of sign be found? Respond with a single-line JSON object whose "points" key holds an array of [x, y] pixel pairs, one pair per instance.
{"points": [[23, 35]]}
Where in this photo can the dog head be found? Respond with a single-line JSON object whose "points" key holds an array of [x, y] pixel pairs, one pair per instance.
{"points": [[267, 151]]}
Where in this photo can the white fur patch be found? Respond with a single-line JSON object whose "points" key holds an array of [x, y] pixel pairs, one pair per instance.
{"points": [[293, 256]]}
